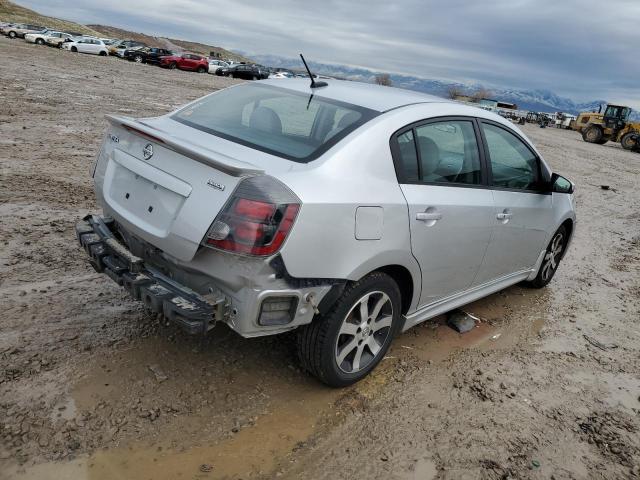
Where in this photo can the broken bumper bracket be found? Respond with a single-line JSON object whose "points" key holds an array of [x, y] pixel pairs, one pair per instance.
{"points": [[191, 311]]}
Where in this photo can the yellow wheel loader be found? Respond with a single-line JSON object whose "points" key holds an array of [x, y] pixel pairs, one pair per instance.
{"points": [[612, 125]]}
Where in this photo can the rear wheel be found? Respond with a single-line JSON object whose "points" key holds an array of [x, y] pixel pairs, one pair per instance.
{"points": [[173, 65], [341, 347], [629, 140], [39, 41], [551, 260], [103, 53], [12, 35], [201, 70], [137, 59], [593, 134], [74, 49]]}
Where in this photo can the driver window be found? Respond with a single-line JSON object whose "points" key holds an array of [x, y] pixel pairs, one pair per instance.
{"points": [[448, 153]]}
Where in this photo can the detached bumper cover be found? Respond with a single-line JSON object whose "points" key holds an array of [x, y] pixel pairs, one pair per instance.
{"points": [[191, 311]]}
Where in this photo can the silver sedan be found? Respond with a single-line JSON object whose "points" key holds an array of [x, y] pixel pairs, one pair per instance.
{"points": [[349, 212]]}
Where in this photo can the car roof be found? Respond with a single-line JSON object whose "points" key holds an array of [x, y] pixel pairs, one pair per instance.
{"points": [[367, 95]]}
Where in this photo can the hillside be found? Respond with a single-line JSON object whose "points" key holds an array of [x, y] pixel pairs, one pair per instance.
{"points": [[171, 43], [10, 12]]}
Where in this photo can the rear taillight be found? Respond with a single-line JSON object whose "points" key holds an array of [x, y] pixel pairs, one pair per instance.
{"points": [[257, 218]]}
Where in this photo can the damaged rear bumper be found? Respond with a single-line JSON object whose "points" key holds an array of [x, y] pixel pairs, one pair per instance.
{"points": [[194, 313]]}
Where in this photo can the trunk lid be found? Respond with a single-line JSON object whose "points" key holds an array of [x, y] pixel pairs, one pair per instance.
{"points": [[165, 189]]}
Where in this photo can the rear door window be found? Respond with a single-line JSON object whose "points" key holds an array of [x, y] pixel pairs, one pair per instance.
{"points": [[439, 152]]}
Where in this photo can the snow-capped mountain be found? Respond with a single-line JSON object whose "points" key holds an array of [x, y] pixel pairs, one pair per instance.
{"points": [[534, 100]]}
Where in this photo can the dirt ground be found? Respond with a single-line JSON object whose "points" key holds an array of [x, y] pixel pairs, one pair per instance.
{"points": [[547, 385]]}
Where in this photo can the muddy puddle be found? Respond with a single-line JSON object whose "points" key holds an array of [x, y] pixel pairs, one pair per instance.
{"points": [[502, 320], [246, 416], [282, 413]]}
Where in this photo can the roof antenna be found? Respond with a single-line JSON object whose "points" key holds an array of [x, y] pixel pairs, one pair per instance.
{"points": [[314, 84]]}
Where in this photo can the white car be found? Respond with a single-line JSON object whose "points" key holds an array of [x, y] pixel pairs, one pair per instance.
{"points": [[216, 64], [94, 46], [281, 75], [347, 211]]}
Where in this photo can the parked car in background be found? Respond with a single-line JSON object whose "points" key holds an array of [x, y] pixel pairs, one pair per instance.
{"points": [[56, 39], [147, 54], [215, 65], [118, 48], [281, 75], [186, 61], [40, 38], [19, 30], [93, 46], [246, 72], [212, 214], [66, 44]]}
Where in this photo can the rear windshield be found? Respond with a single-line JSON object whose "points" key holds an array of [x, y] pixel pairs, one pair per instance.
{"points": [[292, 125]]}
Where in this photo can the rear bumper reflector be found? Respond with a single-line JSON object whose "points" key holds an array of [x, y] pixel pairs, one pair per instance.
{"points": [[192, 312]]}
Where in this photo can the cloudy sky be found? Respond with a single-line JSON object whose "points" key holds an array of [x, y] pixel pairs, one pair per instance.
{"points": [[584, 49]]}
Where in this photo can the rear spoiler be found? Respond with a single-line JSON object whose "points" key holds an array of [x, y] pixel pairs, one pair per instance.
{"points": [[217, 160]]}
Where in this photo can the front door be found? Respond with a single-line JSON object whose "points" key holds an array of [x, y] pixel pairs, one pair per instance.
{"points": [[450, 208], [523, 210]]}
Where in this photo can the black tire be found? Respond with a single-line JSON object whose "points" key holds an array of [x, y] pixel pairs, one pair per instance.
{"points": [[593, 134], [103, 53], [137, 59], [629, 140], [74, 49], [201, 70], [173, 65], [254, 78], [39, 41], [548, 268], [318, 342], [11, 35]]}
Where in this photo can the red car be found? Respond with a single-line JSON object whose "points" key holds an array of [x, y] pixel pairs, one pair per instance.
{"points": [[186, 61]]}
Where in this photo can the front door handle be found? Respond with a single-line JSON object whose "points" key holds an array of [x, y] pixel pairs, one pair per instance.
{"points": [[504, 217], [428, 216]]}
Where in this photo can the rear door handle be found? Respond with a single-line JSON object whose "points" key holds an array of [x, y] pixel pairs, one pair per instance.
{"points": [[426, 217]]}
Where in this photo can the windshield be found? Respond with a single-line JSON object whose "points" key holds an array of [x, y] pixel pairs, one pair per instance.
{"points": [[292, 125]]}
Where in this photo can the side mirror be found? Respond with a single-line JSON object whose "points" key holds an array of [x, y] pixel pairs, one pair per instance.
{"points": [[560, 184]]}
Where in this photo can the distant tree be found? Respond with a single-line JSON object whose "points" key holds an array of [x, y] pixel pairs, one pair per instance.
{"points": [[480, 94], [383, 79], [454, 92]]}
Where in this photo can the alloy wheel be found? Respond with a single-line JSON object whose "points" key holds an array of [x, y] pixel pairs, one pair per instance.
{"points": [[363, 332], [552, 257]]}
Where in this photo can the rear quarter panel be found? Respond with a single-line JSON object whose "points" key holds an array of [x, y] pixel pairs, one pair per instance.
{"points": [[357, 172]]}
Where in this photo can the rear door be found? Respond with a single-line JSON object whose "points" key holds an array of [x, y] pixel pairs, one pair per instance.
{"points": [[523, 209], [441, 173]]}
